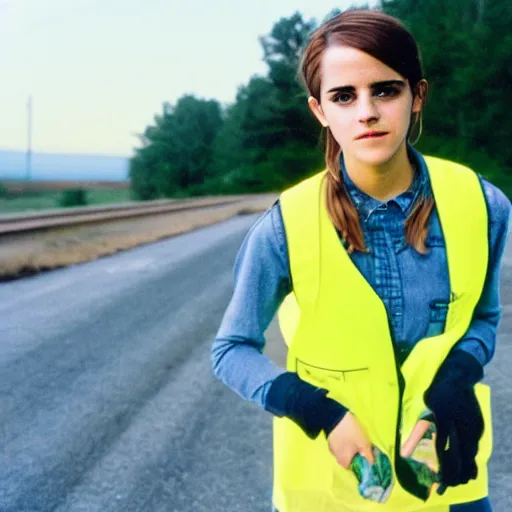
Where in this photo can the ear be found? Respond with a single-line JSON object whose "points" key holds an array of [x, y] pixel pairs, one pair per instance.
{"points": [[420, 96], [316, 108]]}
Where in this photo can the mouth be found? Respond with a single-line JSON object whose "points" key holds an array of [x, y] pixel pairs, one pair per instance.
{"points": [[376, 135]]}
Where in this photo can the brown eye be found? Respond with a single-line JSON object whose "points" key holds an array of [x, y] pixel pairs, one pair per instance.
{"points": [[344, 97], [387, 92]]}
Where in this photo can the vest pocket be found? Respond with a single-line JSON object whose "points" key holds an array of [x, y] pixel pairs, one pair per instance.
{"points": [[348, 386], [358, 386]]}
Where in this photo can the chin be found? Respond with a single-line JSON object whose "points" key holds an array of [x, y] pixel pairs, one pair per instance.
{"points": [[375, 156]]}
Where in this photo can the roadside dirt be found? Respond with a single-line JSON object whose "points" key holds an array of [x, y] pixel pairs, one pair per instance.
{"points": [[27, 253]]}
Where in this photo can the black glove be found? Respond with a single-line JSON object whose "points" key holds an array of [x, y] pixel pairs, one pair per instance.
{"points": [[305, 404], [451, 397]]}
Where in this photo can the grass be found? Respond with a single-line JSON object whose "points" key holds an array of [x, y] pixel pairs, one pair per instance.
{"points": [[44, 199]]}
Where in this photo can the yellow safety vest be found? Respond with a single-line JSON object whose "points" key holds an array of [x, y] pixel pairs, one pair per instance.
{"points": [[338, 337]]}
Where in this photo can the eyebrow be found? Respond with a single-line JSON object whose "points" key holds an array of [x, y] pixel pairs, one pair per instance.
{"points": [[374, 85]]}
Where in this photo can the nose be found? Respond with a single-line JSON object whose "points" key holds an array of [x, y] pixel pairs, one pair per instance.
{"points": [[367, 111]]}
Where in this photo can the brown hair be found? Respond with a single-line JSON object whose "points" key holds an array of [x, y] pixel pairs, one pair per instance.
{"points": [[385, 38]]}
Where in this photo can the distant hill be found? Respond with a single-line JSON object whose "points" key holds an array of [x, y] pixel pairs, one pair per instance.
{"points": [[55, 166]]}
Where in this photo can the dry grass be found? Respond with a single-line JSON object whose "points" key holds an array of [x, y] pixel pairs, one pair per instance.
{"points": [[23, 254]]}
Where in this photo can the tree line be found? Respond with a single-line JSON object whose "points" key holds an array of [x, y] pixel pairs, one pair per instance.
{"points": [[268, 139]]}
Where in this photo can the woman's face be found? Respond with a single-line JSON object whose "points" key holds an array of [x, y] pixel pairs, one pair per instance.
{"points": [[360, 94]]}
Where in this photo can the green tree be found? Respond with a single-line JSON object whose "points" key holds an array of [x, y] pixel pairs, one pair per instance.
{"points": [[249, 130], [282, 50], [466, 47], [176, 152], [270, 138], [73, 197]]}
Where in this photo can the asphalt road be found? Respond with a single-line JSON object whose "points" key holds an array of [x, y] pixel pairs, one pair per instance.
{"points": [[107, 401]]}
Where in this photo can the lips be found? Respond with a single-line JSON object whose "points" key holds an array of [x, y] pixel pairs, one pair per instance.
{"points": [[372, 135]]}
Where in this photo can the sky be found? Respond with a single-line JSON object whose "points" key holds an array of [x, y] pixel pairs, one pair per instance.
{"points": [[99, 70]]}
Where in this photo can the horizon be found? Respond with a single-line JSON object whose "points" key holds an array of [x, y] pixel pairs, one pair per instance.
{"points": [[62, 153], [62, 166]]}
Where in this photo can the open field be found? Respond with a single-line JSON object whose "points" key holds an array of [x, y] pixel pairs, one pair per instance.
{"points": [[40, 195]]}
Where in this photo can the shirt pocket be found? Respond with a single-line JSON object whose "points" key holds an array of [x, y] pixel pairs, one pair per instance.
{"points": [[438, 311]]}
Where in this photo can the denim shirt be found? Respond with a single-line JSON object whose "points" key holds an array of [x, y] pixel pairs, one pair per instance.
{"points": [[413, 287]]}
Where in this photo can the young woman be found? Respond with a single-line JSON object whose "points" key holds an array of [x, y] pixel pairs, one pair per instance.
{"points": [[385, 270]]}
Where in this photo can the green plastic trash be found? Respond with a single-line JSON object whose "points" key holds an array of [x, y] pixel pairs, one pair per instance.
{"points": [[376, 480]]}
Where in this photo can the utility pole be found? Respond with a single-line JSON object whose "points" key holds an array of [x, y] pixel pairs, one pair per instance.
{"points": [[29, 138]]}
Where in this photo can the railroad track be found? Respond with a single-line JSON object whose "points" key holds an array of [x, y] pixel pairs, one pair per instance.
{"points": [[84, 215]]}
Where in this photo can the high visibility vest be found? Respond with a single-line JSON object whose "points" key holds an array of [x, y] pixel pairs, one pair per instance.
{"points": [[338, 337]]}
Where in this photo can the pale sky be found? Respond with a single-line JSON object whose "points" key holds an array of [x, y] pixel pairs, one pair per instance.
{"points": [[98, 70]]}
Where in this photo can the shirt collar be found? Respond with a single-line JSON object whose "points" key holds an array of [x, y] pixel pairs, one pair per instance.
{"points": [[365, 204]]}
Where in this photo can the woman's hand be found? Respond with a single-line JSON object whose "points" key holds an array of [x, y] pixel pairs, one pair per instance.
{"points": [[348, 439], [419, 430]]}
